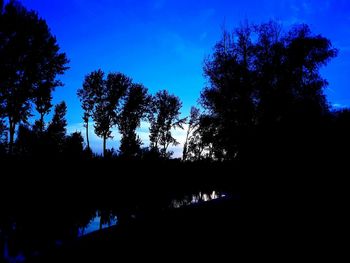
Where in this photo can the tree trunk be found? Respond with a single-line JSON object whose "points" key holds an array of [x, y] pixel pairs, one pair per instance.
{"points": [[87, 135], [165, 148], [184, 153], [104, 146], [41, 123], [12, 134]]}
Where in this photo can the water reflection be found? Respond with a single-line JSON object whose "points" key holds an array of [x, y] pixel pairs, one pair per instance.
{"points": [[68, 225], [196, 198], [100, 221]]}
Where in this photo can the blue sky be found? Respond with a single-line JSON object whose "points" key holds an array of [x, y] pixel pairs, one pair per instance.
{"points": [[162, 43]]}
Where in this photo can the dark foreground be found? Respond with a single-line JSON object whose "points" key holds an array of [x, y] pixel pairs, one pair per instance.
{"points": [[213, 228], [42, 203], [290, 208]]}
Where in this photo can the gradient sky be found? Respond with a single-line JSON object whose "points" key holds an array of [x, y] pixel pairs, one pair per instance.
{"points": [[162, 43]]}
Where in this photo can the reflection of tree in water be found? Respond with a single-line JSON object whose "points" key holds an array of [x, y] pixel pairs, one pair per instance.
{"points": [[106, 217], [98, 220], [196, 198]]}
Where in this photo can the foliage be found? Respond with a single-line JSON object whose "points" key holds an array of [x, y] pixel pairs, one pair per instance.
{"points": [[261, 76], [29, 62], [107, 104], [93, 82], [74, 146], [193, 124], [164, 116], [134, 110]]}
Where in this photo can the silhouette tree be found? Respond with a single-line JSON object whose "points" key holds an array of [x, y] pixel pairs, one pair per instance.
{"points": [[269, 79], [269, 50], [135, 109], [229, 98], [107, 100], [287, 66], [26, 142], [48, 67], [192, 126], [74, 146], [93, 82], [306, 54], [56, 130], [164, 116], [31, 142], [29, 63], [201, 143]]}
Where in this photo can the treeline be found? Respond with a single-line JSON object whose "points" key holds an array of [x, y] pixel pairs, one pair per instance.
{"points": [[30, 61], [116, 101], [264, 102], [264, 97]]}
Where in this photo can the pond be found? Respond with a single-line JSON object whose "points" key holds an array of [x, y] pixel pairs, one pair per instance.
{"points": [[13, 251], [110, 220]]}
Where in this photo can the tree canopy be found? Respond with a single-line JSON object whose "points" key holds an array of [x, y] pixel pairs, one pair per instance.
{"points": [[134, 110], [93, 82], [164, 116], [30, 60], [261, 75], [107, 104]]}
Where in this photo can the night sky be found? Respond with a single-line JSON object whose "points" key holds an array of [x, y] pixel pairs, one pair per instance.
{"points": [[162, 43]]}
